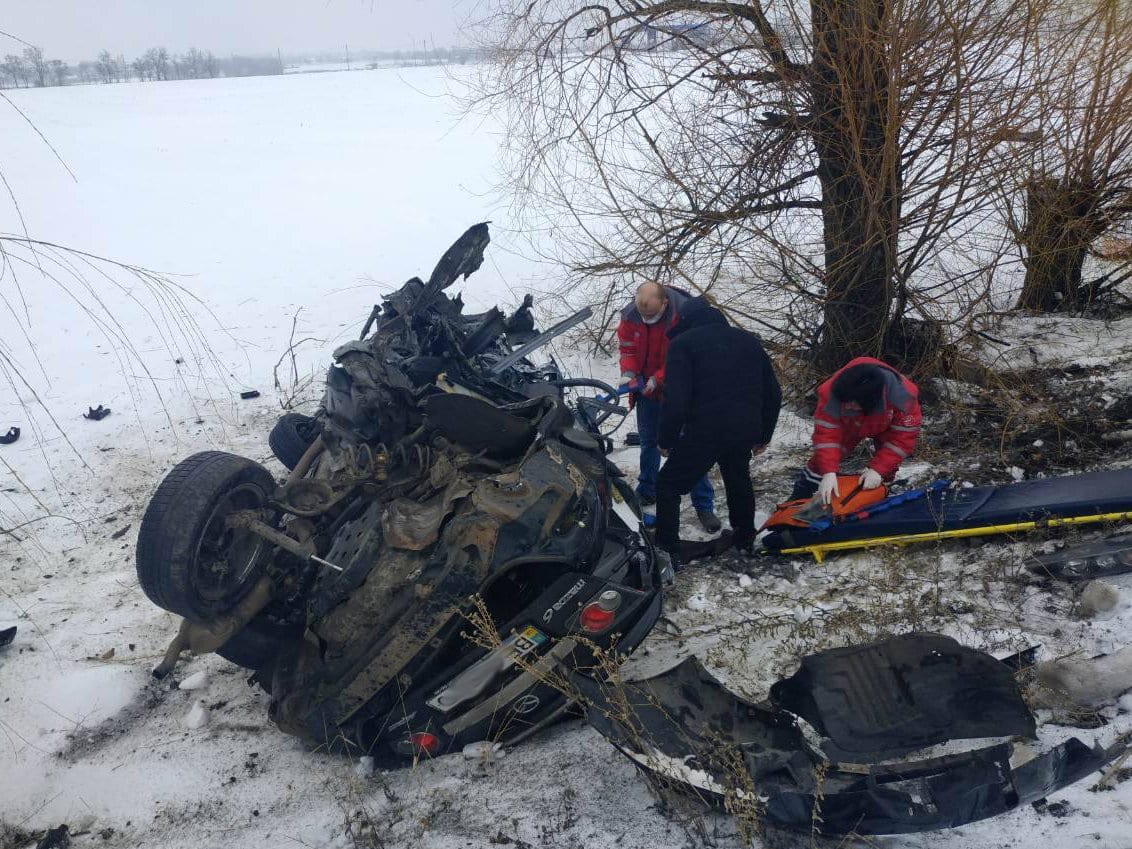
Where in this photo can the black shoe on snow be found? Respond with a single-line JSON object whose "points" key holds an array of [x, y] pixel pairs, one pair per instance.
{"points": [[709, 521]]}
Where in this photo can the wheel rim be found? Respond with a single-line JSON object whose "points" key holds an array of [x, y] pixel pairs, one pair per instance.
{"points": [[227, 559]]}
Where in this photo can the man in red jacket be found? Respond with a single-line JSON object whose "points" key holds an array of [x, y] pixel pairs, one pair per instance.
{"points": [[866, 399], [643, 341]]}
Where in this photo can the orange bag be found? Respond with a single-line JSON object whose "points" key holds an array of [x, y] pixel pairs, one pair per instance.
{"points": [[800, 512]]}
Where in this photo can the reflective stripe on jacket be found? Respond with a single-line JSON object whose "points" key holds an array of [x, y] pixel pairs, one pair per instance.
{"points": [[838, 428]]}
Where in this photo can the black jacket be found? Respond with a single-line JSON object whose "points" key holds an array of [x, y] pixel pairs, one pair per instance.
{"points": [[719, 384]]}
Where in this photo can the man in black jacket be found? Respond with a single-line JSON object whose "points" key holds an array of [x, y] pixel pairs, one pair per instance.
{"points": [[721, 403]]}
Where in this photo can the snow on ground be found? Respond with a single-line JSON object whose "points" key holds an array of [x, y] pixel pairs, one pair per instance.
{"points": [[318, 192]]}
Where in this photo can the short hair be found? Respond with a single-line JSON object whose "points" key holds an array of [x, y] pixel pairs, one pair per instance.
{"points": [[652, 287], [862, 383]]}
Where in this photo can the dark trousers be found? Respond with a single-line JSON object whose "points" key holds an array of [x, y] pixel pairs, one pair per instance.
{"points": [[648, 425], [689, 461]]}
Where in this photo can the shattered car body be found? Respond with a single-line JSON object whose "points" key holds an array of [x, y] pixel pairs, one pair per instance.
{"points": [[451, 534], [863, 705]]}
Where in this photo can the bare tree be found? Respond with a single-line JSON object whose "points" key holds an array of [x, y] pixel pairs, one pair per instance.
{"points": [[87, 72], [211, 69], [159, 61], [15, 70], [1076, 184], [105, 66], [833, 152], [59, 71], [142, 68], [37, 63]]}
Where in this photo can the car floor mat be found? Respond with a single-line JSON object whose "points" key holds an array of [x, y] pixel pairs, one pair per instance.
{"points": [[893, 696]]}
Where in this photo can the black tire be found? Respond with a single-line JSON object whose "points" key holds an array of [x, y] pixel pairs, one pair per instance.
{"points": [[189, 562], [291, 437]]}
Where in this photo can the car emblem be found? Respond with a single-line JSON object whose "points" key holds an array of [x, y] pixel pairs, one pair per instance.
{"points": [[525, 704]]}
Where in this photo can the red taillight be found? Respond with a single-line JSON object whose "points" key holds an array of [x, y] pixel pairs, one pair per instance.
{"points": [[424, 743], [598, 615]]}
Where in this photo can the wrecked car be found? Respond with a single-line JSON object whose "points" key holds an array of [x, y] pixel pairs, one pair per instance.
{"points": [[451, 532]]}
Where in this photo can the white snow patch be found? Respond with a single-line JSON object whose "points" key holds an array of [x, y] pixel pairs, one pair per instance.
{"points": [[197, 716], [364, 767], [88, 696], [196, 681]]}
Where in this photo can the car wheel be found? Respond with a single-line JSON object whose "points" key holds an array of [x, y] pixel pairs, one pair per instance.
{"points": [[291, 437], [189, 560]]}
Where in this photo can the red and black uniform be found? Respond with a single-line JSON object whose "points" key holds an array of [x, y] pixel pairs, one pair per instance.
{"points": [[838, 427]]}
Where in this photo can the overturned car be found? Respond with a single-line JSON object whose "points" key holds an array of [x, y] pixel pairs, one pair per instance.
{"points": [[450, 532]]}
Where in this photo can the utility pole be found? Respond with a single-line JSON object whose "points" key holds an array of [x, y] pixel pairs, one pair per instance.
{"points": [[347, 57]]}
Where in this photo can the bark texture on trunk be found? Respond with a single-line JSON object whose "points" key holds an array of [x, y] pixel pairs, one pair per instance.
{"points": [[1061, 224], [856, 139]]}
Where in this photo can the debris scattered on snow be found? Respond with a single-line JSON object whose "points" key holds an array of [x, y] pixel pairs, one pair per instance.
{"points": [[96, 414], [198, 716], [196, 681], [55, 838]]}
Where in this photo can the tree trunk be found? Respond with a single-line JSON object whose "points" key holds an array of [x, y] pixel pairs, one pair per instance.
{"points": [[1060, 226], [858, 169]]}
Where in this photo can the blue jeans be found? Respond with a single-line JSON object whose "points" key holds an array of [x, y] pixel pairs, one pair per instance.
{"points": [[648, 425]]}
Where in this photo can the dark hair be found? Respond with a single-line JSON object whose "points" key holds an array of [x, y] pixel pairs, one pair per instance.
{"points": [[863, 383]]}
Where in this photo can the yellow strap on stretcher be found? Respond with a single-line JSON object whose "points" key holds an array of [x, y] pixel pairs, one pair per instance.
{"points": [[820, 550]]}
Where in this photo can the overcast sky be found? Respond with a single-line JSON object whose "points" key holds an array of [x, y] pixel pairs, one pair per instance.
{"points": [[79, 29]]}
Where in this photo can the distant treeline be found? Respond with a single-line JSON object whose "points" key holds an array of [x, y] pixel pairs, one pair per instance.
{"points": [[32, 69]]}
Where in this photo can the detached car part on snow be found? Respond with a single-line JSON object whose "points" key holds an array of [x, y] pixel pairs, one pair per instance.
{"points": [[867, 704], [451, 532]]}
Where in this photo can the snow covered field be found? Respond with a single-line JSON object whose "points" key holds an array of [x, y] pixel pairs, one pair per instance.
{"points": [[262, 196]]}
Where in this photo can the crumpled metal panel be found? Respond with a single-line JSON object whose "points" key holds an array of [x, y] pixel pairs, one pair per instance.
{"points": [[904, 693], [685, 729], [938, 793], [689, 718], [415, 525]]}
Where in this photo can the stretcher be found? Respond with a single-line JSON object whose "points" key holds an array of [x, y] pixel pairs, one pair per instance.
{"points": [[941, 511]]}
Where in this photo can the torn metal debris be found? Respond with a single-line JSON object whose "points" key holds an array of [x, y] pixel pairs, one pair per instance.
{"points": [[1100, 559], [690, 733]]}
